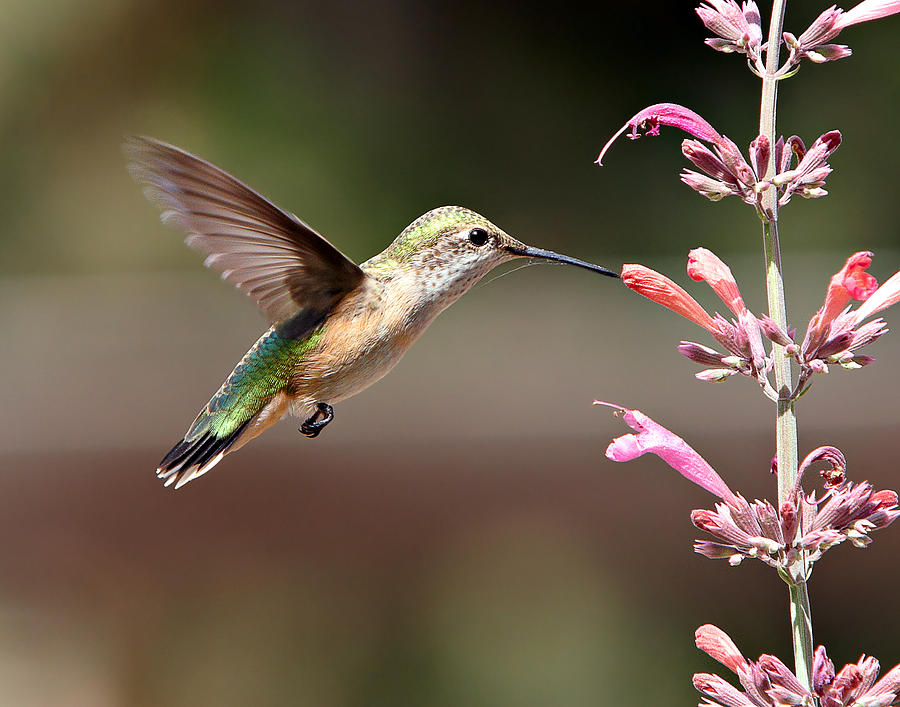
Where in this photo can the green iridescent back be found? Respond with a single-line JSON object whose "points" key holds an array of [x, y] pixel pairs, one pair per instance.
{"points": [[263, 371]]}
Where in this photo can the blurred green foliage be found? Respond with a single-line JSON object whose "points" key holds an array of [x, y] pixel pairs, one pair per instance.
{"points": [[359, 117]]}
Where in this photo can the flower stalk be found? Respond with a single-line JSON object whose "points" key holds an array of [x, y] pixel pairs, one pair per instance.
{"points": [[791, 535], [786, 421]]}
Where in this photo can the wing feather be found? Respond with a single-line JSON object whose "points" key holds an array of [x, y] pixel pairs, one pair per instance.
{"points": [[266, 252]]}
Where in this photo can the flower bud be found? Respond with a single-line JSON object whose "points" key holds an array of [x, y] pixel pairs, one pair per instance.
{"points": [[766, 545], [818, 366], [774, 332], [828, 52], [721, 45], [712, 189], [718, 645], [790, 40], [835, 345], [700, 354], [707, 161], [714, 375], [788, 521], [714, 551], [822, 29], [759, 155]]}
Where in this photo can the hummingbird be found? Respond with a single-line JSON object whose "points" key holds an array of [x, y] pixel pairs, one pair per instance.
{"points": [[336, 327]]}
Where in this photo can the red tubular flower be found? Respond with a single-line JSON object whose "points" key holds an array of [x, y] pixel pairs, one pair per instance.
{"points": [[657, 287], [850, 282], [741, 336], [719, 691], [885, 296], [717, 645], [834, 334], [768, 682], [703, 264]]}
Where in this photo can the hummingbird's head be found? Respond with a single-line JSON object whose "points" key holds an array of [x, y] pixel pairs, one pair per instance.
{"points": [[450, 248]]}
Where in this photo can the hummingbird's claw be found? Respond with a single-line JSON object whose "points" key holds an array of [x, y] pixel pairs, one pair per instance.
{"points": [[315, 424]]}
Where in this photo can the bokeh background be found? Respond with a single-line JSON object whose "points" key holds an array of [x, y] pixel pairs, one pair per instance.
{"points": [[456, 537]]}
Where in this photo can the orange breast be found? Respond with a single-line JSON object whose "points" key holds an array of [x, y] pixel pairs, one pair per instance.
{"points": [[363, 339]]}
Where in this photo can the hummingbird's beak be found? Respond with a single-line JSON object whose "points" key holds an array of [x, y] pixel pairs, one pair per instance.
{"points": [[527, 251]]}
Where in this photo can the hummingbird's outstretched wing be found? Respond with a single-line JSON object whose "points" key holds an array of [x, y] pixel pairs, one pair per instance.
{"points": [[267, 253]]}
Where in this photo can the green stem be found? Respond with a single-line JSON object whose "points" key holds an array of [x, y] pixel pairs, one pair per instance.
{"points": [[801, 633], [786, 422]]}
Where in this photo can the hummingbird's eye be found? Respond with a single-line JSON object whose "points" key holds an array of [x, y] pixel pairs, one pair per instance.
{"points": [[478, 236]]}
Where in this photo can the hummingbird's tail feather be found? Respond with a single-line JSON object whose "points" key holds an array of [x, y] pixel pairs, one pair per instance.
{"points": [[250, 400], [194, 456]]}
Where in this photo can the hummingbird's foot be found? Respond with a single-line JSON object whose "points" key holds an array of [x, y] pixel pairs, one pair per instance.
{"points": [[316, 422]]}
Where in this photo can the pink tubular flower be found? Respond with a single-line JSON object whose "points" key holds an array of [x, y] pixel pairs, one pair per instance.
{"points": [[812, 44], [737, 28], [866, 11], [837, 466], [649, 120], [808, 179], [791, 538], [822, 29], [653, 438], [886, 690], [724, 171], [854, 510], [727, 172], [795, 536], [770, 683]]}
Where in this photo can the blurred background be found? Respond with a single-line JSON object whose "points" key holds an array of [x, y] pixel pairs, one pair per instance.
{"points": [[457, 536]]}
